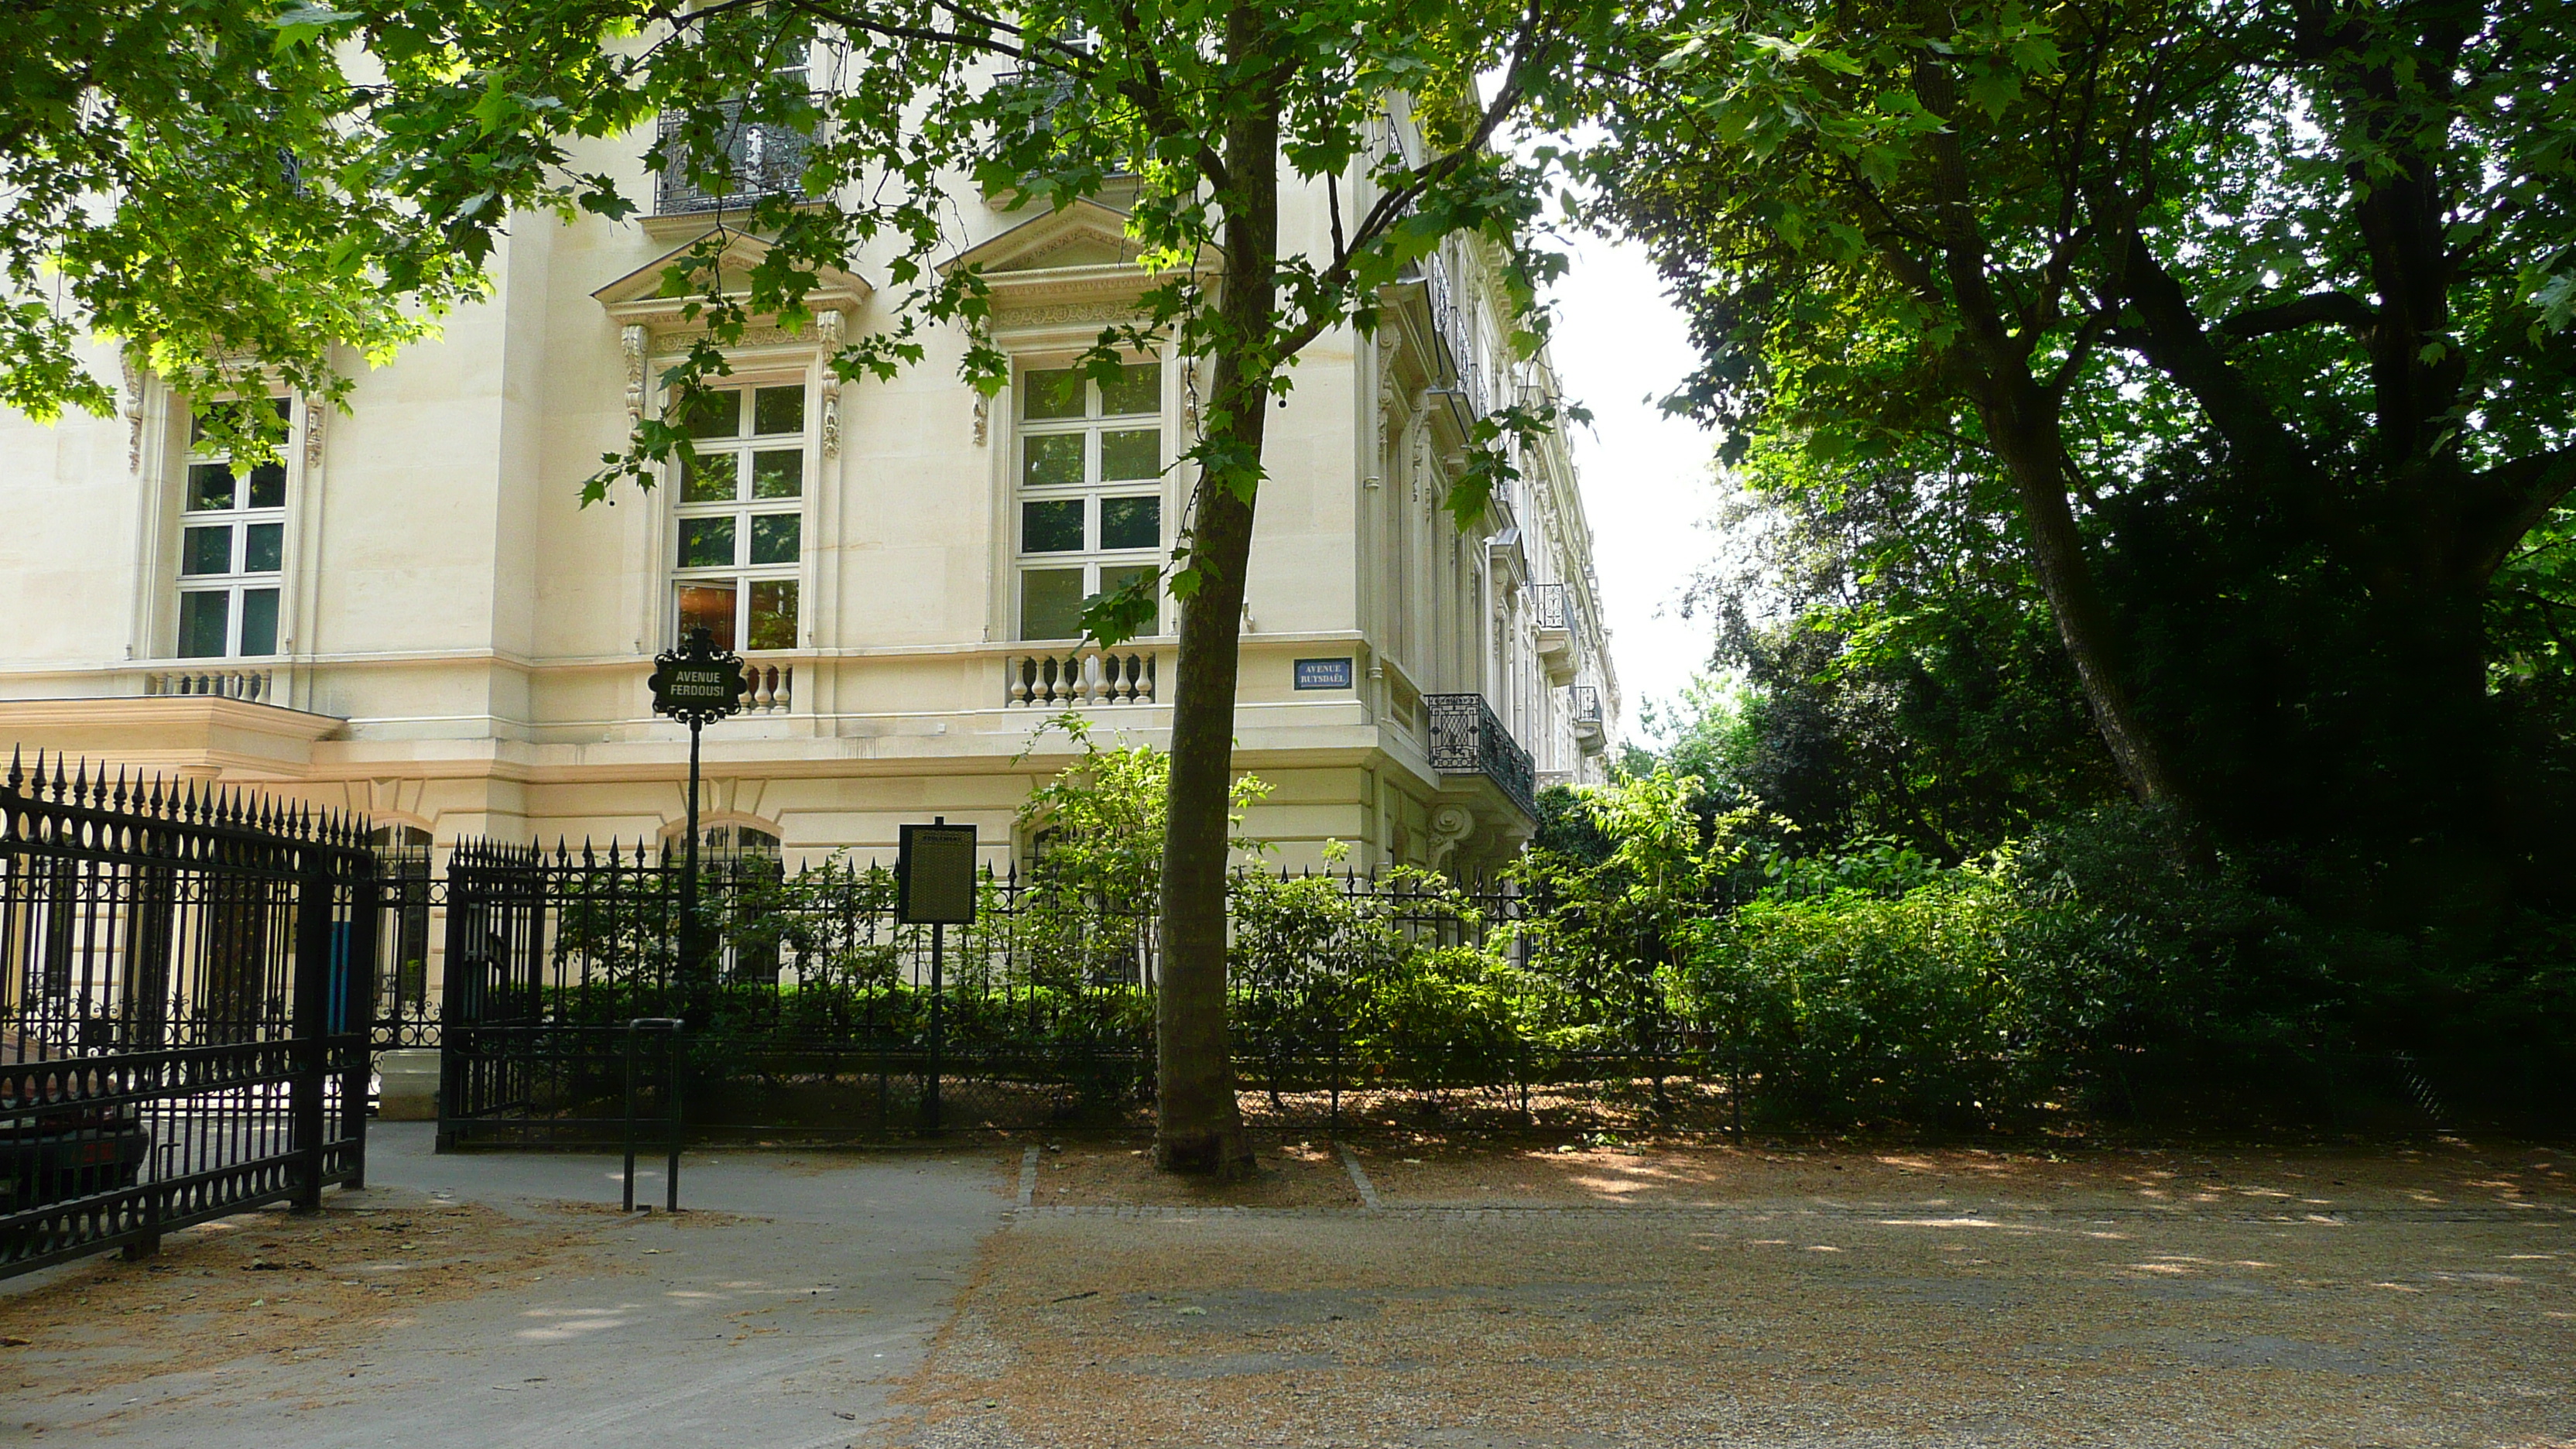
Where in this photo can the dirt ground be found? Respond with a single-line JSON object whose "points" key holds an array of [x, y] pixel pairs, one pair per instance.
{"points": [[282, 1283], [1412, 1291], [1527, 1297]]}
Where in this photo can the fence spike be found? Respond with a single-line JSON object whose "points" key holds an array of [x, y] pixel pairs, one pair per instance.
{"points": [[58, 775], [17, 771]]}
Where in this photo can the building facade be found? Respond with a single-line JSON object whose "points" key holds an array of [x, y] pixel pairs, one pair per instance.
{"points": [[412, 616]]}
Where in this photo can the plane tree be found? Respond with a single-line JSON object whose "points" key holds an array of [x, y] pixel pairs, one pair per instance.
{"points": [[1205, 114]]}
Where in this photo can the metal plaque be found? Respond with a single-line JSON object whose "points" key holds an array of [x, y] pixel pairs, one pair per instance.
{"points": [[935, 875], [1324, 673]]}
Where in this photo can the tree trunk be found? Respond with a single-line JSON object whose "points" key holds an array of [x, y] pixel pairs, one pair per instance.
{"points": [[1198, 1128], [2024, 429]]}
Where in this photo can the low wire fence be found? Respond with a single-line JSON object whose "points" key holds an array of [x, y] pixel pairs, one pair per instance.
{"points": [[183, 1009]]}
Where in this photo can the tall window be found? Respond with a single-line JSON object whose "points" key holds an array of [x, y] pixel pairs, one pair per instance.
{"points": [[741, 517], [232, 552], [1091, 499]]}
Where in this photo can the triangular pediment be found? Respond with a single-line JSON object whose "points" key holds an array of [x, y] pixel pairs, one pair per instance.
{"points": [[640, 295], [1083, 235]]}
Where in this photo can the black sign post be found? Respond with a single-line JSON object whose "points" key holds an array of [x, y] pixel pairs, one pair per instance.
{"points": [[696, 684], [934, 875]]}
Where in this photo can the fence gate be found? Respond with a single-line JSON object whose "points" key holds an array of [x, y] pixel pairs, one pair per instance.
{"points": [[186, 989]]}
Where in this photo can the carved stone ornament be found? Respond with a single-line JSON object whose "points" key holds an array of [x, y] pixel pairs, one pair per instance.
{"points": [[632, 337], [828, 327], [315, 414], [1105, 309], [983, 418], [133, 415], [1449, 825], [672, 341]]}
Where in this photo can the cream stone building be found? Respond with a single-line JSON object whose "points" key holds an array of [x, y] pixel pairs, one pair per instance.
{"points": [[413, 616]]}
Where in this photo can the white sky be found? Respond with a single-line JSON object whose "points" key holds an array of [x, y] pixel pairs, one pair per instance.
{"points": [[1618, 346]]}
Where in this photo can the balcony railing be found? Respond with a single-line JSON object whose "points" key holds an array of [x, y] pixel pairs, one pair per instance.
{"points": [[1466, 739], [761, 158], [1549, 606], [1077, 677], [254, 685], [1042, 93], [1450, 323], [1584, 703]]}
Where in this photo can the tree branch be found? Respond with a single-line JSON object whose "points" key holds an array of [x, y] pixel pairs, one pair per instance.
{"points": [[2341, 309], [2173, 341], [1390, 207], [2507, 502]]}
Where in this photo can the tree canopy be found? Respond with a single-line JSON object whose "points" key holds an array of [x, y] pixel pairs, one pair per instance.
{"points": [[220, 189], [2244, 322]]}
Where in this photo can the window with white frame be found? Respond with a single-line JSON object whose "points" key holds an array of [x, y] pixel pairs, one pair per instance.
{"points": [[1091, 490], [739, 516], [232, 551]]}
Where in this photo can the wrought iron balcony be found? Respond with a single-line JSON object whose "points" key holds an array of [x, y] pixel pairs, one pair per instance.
{"points": [[1466, 739], [761, 158], [1583, 701], [1549, 606], [1036, 95], [1556, 613]]}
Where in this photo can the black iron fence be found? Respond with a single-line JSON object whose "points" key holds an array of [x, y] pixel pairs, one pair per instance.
{"points": [[184, 1008], [809, 1008]]}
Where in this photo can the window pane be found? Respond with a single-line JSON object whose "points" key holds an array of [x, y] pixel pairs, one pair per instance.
{"points": [[1051, 604], [264, 548], [706, 543], [708, 607], [268, 486], [206, 551], [710, 414], [1114, 577], [201, 624], [1054, 526], [259, 621], [773, 614], [710, 479], [1139, 389], [1131, 522], [778, 475], [1054, 392], [210, 486], [773, 537], [1131, 453], [1053, 458], [776, 410]]}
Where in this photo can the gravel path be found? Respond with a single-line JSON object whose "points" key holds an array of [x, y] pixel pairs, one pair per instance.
{"points": [[1531, 1299]]}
